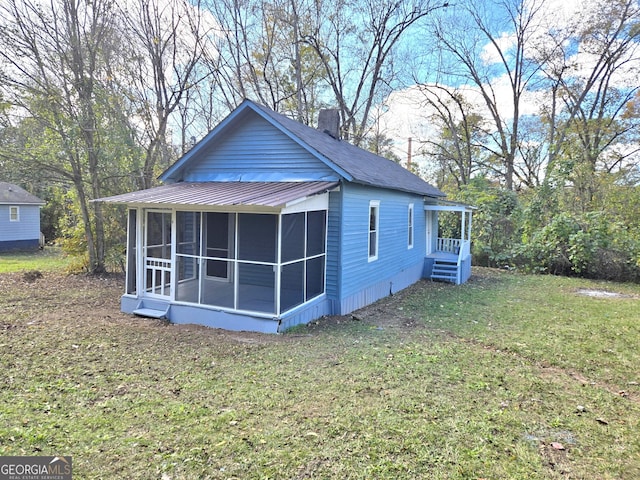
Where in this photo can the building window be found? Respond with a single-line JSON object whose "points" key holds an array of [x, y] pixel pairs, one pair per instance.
{"points": [[410, 226], [14, 214], [374, 225]]}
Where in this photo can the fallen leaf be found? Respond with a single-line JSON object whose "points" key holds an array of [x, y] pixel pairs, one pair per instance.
{"points": [[557, 446], [602, 421]]}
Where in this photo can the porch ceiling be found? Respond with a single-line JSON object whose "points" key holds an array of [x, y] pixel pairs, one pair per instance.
{"points": [[226, 194]]}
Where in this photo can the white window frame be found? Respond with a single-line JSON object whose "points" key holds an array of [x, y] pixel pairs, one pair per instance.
{"points": [[374, 206], [410, 227], [14, 213]]}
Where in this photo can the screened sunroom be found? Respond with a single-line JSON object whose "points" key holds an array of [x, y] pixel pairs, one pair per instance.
{"points": [[262, 257], [252, 262]]}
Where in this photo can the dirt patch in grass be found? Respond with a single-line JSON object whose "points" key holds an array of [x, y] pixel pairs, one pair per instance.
{"points": [[388, 313], [54, 301], [587, 292]]}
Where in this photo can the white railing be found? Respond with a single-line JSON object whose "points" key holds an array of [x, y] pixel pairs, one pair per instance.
{"points": [[455, 246], [157, 276], [462, 248], [448, 245]]}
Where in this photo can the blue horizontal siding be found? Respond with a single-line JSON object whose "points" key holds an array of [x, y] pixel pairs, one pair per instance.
{"points": [[16, 245], [397, 266], [257, 151], [334, 239], [383, 288], [26, 228], [394, 256]]}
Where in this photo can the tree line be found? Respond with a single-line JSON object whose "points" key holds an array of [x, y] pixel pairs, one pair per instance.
{"points": [[532, 117]]}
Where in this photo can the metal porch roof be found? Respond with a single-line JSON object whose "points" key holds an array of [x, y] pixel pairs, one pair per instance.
{"points": [[261, 194]]}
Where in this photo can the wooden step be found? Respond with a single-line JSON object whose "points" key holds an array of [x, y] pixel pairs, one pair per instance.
{"points": [[445, 270]]}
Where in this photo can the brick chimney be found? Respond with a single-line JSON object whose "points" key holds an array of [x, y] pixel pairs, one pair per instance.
{"points": [[329, 122]]}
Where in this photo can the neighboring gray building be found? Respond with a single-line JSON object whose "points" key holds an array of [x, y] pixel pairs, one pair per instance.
{"points": [[19, 218]]}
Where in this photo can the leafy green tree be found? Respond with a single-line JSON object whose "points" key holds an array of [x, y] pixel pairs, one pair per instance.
{"points": [[57, 60], [496, 222]]}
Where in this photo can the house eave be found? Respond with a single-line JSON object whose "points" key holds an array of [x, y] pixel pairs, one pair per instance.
{"points": [[448, 206]]}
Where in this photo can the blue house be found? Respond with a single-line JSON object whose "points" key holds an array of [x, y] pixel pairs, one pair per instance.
{"points": [[267, 223], [19, 219]]}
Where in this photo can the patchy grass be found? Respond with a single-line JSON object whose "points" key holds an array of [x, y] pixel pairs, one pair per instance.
{"points": [[505, 377], [46, 260]]}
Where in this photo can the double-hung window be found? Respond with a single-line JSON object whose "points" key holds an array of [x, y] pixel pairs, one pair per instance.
{"points": [[14, 214], [374, 226]]}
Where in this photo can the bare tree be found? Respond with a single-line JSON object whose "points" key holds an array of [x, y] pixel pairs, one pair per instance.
{"points": [[592, 72], [170, 41], [457, 146], [476, 52], [261, 55], [356, 42]]}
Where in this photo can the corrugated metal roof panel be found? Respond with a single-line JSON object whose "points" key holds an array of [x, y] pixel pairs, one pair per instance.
{"points": [[263, 194]]}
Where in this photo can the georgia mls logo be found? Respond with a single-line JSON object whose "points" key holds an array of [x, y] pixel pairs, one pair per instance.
{"points": [[35, 468]]}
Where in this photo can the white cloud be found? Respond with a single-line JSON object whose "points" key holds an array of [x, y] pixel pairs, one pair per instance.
{"points": [[491, 52]]}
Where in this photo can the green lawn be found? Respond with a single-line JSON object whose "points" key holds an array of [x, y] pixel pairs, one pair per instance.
{"points": [[508, 376], [47, 259]]}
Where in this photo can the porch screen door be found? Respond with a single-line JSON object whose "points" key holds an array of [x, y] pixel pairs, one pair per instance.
{"points": [[157, 254], [217, 245]]}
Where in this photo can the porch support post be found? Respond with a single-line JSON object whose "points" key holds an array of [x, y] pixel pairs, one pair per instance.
{"points": [[469, 232], [201, 262], [174, 237], [278, 267], [140, 257], [463, 228]]}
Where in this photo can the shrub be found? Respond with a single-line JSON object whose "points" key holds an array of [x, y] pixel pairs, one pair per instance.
{"points": [[590, 245]]}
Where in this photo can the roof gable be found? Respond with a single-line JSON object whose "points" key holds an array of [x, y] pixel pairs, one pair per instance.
{"points": [[347, 161], [13, 194], [253, 149]]}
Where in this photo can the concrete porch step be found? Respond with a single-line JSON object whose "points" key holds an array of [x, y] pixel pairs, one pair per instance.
{"points": [[150, 313]]}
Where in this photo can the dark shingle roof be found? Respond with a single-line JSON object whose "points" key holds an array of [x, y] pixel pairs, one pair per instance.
{"points": [[13, 194], [365, 167], [351, 162]]}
